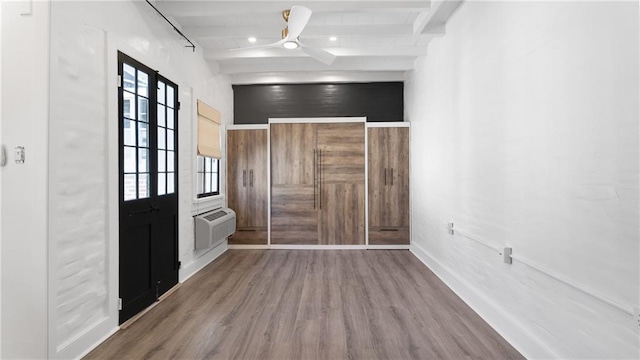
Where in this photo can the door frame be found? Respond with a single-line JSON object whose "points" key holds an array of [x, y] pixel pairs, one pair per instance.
{"points": [[154, 77]]}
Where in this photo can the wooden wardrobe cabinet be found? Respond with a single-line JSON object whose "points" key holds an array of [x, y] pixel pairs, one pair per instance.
{"points": [[317, 183], [388, 149], [247, 184]]}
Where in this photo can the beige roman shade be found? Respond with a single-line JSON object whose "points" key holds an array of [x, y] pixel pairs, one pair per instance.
{"points": [[208, 131]]}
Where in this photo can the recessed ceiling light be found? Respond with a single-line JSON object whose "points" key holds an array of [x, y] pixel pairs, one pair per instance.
{"points": [[252, 39], [333, 38]]}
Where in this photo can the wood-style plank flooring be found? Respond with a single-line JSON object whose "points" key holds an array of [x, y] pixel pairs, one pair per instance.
{"points": [[297, 304]]}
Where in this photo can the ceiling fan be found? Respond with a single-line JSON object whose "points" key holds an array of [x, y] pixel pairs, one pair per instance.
{"points": [[296, 18]]}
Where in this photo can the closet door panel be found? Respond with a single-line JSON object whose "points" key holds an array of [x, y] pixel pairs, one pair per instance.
{"points": [[342, 214], [397, 204], [247, 184], [378, 176], [388, 186], [293, 217], [341, 155], [292, 160], [257, 179], [294, 192], [236, 175], [341, 183]]}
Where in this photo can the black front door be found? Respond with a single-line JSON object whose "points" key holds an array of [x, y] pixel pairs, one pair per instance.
{"points": [[148, 114]]}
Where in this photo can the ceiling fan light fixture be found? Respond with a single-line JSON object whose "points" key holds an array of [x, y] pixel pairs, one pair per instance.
{"points": [[290, 45]]}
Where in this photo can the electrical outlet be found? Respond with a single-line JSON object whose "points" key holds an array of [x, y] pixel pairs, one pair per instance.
{"points": [[450, 228], [636, 317]]}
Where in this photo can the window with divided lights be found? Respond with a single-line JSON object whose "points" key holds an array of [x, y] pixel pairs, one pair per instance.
{"points": [[135, 111], [166, 143], [148, 137], [207, 174]]}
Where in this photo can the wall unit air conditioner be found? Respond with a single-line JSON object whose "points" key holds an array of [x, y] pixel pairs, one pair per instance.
{"points": [[214, 226]]}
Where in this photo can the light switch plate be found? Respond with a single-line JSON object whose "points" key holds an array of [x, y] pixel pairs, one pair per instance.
{"points": [[506, 255], [3, 155], [19, 154]]}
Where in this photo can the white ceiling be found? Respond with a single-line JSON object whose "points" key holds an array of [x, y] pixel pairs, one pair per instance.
{"points": [[375, 40]]}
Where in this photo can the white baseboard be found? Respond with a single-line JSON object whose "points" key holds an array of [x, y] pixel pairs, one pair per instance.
{"points": [[512, 331], [388, 247], [84, 343], [249, 247], [318, 247], [202, 261]]}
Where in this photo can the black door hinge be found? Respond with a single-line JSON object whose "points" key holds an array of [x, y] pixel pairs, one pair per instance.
{"points": [[179, 264], [178, 105]]}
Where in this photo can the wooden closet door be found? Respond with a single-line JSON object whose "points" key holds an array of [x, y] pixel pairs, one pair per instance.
{"points": [[398, 190], [294, 197], [378, 175], [389, 186], [257, 180], [341, 169], [236, 175]]}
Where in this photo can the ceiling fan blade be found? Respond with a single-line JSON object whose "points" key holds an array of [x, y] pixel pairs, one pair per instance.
{"points": [[318, 54], [298, 19], [266, 46]]}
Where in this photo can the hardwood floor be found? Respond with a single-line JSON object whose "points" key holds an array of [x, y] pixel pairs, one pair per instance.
{"points": [[296, 304]]}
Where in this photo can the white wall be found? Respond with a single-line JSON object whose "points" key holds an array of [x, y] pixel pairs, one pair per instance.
{"points": [[83, 198], [1, 149], [525, 133], [23, 225]]}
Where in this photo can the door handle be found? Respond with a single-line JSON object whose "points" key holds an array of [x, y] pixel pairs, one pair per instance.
{"points": [[385, 176], [251, 177], [244, 178], [391, 176], [139, 212], [152, 208]]}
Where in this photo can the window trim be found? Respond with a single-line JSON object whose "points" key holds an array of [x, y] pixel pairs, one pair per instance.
{"points": [[207, 195]]}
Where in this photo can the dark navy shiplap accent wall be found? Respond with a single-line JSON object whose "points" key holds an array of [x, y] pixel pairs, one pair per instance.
{"points": [[378, 101]]}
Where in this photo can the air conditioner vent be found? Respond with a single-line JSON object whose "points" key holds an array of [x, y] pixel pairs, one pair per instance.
{"points": [[213, 227], [215, 216]]}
